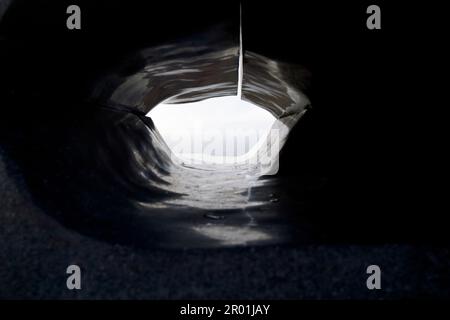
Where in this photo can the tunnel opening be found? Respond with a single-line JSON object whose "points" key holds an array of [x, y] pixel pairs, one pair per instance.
{"points": [[223, 130]]}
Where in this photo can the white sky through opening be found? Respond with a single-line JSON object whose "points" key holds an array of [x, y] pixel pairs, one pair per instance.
{"points": [[216, 130]]}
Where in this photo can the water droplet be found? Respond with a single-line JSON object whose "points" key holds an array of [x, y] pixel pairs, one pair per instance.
{"points": [[213, 216]]}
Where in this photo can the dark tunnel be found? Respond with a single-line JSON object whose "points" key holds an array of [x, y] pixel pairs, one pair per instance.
{"points": [[73, 123], [87, 178]]}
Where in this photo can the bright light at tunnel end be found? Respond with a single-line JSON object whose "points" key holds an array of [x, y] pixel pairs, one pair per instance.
{"points": [[220, 131]]}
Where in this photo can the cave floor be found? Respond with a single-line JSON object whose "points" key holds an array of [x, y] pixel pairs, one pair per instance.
{"points": [[36, 251]]}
